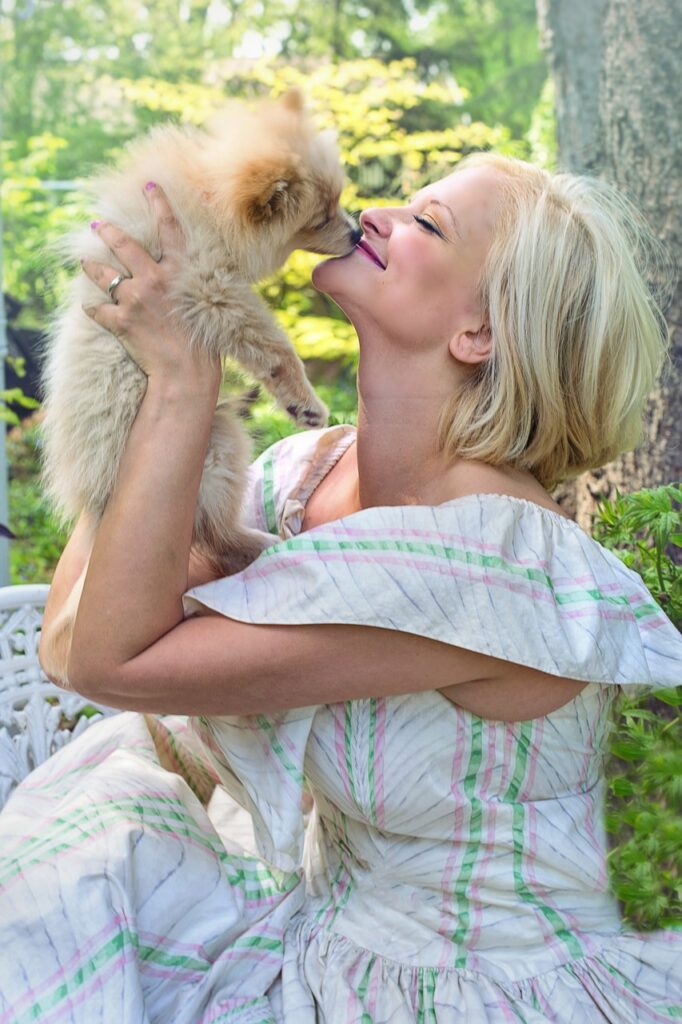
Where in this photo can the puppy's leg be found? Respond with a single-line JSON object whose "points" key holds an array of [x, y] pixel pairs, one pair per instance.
{"points": [[266, 352], [218, 531], [224, 315]]}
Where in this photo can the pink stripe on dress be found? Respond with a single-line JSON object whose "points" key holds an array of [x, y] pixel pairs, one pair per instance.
{"points": [[470, 574], [379, 746], [339, 715], [461, 749]]}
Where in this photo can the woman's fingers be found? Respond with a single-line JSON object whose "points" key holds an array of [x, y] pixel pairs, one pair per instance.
{"points": [[110, 318], [142, 313], [127, 251], [102, 275], [170, 233]]}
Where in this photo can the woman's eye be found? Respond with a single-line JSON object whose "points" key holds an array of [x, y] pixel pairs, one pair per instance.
{"points": [[423, 222]]}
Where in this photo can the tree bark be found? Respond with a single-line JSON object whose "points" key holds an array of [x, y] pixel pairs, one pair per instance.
{"points": [[617, 66]]}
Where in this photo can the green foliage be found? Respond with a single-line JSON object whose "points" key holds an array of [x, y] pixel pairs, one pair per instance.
{"points": [[39, 537], [644, 815], [33, 219], [15, 396], [66, 59], [541, 136]]}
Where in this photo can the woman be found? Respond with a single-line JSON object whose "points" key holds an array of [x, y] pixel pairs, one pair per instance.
{"points": [[432, 650]]}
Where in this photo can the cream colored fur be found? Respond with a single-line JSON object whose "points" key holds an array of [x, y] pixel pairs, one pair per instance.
{"points": [[250, 187]]}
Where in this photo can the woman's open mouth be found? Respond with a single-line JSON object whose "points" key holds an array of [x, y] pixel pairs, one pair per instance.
{"points": [[367, 250]]}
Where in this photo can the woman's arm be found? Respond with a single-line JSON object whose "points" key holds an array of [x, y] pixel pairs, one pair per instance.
{"points": [[137, 571], [72, 562], [55, 633]]}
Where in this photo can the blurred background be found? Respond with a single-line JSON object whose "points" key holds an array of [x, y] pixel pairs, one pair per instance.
{"points": [[410, 86]]}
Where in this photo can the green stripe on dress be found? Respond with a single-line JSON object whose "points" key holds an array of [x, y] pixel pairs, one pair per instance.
{"points": [[288, 765], [258, 942], [364, 981], [466, 557], [559, 927], [426, 1010], [268, 494], [348, 728], [276, 881], [474, 844], [84, 973], [361, 990]]}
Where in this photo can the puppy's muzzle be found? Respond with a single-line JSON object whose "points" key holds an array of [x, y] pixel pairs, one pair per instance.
{"points": [[338, 237]]}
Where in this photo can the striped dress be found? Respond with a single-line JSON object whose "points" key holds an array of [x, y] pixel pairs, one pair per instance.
{"points": [[392, 860]]}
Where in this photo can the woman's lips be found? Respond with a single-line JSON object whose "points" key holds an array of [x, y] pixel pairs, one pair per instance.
{"points": [[369, 252]]}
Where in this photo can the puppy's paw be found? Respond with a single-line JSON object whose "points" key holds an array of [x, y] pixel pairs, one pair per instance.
{"points": [[312, 413]]}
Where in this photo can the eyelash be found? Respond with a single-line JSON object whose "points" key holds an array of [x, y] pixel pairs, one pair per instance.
{"points": [[428, 225]]}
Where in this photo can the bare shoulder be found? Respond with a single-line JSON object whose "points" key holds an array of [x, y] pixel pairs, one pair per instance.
{"points": [[477, 478]]}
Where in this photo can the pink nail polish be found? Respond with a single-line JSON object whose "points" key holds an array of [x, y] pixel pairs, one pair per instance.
{"points": [[95, 224], [150, 185]]}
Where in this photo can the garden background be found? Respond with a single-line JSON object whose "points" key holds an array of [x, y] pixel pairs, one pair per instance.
{"points": [[410, 86]]}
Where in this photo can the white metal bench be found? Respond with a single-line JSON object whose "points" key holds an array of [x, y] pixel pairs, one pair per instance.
{"points": [[37, 718]]}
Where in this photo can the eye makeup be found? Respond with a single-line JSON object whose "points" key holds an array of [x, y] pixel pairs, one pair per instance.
{"points": [[429, 225]]}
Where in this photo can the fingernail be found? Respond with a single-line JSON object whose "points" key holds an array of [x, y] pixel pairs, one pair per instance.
{"points": [[90, 310], [95, 224], [150, 185]]}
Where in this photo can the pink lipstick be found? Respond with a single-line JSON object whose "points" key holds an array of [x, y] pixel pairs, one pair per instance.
{"points": [[367, 249]]}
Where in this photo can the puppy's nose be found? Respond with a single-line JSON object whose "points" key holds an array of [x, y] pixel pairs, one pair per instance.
{"points": [[356, 235]]}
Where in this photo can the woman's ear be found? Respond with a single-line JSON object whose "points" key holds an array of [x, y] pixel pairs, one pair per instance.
{"points": [[472, 346]]}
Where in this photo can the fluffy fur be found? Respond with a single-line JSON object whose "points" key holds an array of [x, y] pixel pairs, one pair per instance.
{"points": [[250, 187]]}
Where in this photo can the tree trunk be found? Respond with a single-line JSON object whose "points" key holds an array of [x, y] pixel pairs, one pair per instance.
{"points": [[617, 66]]}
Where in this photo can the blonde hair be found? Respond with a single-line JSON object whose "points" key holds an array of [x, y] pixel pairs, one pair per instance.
{"points": [[578, 338]]}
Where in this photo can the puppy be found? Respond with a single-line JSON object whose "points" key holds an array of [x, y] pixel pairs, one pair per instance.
{"points": [[250, 187]]}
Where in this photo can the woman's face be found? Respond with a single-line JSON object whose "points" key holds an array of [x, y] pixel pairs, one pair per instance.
{"points": [[414, 275]]}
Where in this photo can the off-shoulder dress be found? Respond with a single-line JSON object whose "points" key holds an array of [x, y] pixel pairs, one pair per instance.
{"points": [[452, 869]]}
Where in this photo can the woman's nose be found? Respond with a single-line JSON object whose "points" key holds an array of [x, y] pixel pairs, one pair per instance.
{"points": [[376, 221]]}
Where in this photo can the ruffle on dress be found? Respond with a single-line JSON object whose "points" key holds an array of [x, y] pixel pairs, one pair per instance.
{"points": [[487, 572]]}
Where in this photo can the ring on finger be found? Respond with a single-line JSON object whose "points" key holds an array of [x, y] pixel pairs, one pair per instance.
{"points": [[114, 285]]}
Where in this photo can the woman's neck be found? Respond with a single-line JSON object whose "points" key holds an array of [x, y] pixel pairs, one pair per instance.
{"points": [[396, 454]]}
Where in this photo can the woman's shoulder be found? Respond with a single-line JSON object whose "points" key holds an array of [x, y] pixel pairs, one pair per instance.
{"points": [[475, 478]]}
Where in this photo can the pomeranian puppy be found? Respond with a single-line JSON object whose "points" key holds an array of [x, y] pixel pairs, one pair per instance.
{"points": [[254, 184]]}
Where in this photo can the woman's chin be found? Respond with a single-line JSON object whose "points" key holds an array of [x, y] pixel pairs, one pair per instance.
{"points": [[326, 275]]}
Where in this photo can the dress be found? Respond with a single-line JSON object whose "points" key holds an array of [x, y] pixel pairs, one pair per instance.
{"points": [[451, 870]]}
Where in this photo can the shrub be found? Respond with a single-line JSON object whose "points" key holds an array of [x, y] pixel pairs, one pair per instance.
{"points": [[644, 773]]}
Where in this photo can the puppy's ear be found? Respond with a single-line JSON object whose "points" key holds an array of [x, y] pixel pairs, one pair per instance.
{"points": [[266, 189], [293, 100]]}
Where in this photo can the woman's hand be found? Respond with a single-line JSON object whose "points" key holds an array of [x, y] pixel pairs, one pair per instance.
{"points": [[141, 314]]}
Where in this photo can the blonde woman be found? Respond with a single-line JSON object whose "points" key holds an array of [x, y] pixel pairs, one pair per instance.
{"points": [[430, 651]]}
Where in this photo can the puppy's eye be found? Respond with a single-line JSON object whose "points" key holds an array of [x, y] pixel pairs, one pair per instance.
{"points": [[322, 224]]}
